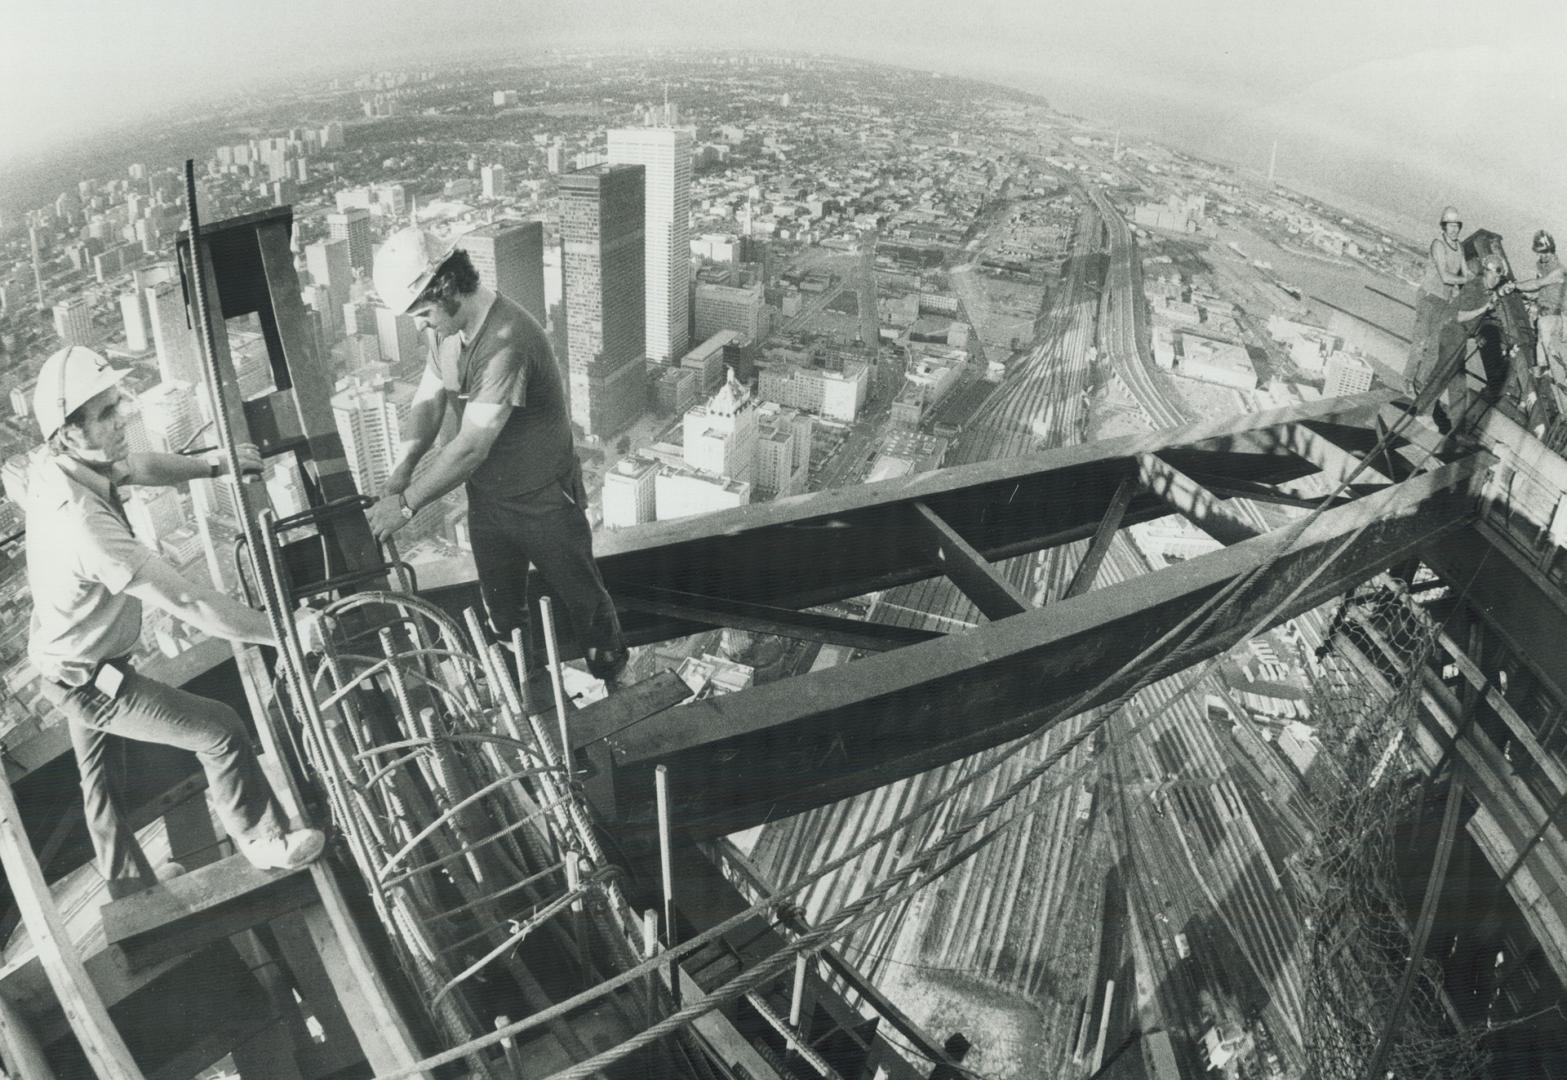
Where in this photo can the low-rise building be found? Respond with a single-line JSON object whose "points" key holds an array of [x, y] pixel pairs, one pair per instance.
{"points": [[629, 496], [836, 395]]}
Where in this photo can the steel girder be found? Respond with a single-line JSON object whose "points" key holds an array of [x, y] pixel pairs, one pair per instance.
{"points": [[781, 748]]}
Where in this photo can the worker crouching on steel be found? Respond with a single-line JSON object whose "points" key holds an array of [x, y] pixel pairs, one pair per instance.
{"points": [[489, 361], [89, 577]]}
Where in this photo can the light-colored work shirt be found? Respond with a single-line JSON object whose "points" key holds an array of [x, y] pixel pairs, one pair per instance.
{"points": [[81, 555]]}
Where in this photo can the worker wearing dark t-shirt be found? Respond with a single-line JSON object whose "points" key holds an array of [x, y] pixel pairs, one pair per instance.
{"points": [[492, 365], [1473, 317]]}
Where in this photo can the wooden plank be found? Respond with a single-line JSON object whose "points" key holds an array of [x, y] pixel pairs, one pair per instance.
{"points": [[180, 916], [101, 1041], [24, 1054], [1195, 502], [187, 898], [1099, 546], [340, 1048], [971, 572]]}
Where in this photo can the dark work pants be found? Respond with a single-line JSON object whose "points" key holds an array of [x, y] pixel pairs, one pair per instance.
{"points": [[548, 528], [148, 711], [1463, 405]]}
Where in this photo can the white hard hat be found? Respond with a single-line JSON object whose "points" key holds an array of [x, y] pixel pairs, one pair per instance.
{"points": [[68, 380], [405, 264]]}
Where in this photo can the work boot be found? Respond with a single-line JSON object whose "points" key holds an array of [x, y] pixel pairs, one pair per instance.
{"points": [[169, 871], [286, 851]]}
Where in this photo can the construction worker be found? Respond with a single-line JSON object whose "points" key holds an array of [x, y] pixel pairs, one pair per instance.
{"points": [[1473, 318], [491, 364], [89, 577], [1446, 272], [1548, 288]]}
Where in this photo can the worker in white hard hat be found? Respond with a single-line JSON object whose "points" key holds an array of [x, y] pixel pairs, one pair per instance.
{"points": [[1548, 288], [89, 578], [491, 364], [1445, 273]]}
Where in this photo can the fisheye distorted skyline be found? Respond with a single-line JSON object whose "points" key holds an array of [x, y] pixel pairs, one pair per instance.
{"points": [[1467, 102]]}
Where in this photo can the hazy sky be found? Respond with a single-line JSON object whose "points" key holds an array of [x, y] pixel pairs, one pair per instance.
{"points": [[1475, 91]]}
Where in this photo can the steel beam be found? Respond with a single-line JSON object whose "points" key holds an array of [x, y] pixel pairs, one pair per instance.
{"points": [[1193, 501], [808, 550], [711, 611], [1099, 546], [971, 572], [782, 748]]}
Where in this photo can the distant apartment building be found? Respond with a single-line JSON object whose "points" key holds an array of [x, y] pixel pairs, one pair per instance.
{"points": [[674, 388], [1346, 374], [783, 451], [171, 415], [834, 395], [401, 343], [73, 323], [370, 419], [133, 313], [359, 317], [728, 307], [352, 225], [329, 265], [707, 359], [665, 154], [492, 181], [601, 228], [179, 358], [629, 496], [509, 256]]}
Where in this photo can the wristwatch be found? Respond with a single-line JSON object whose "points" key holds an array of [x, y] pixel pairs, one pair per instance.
{"points": [[402, 504]]}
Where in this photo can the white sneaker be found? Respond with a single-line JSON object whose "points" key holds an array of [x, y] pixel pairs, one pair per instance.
{"points": [[290, 851]]}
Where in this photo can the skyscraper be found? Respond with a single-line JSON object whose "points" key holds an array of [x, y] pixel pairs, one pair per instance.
{"points": [[133, 311], [400, 342], [179, 358], [492, 179], [370, 420], [73, 322], [666, 155], [509, 256], [353, 225], [602, 239], [329, 262], [171, 415]]}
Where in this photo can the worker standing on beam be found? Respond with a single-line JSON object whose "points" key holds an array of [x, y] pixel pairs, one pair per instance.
{"points": [[1446, 272], [1474, 319], [491, 364], [89, 577], [1548, 287]]}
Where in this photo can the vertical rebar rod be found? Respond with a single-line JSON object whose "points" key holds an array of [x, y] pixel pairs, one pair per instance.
{"points": [[797, 996], [557, 684], [666, 869]]}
